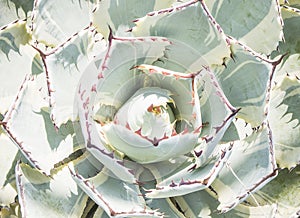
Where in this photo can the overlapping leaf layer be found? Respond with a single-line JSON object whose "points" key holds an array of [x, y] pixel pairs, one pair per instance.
{"points": [[149, 108]]}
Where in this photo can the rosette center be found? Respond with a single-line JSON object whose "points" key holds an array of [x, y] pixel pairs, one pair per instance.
{"points": [[149, 113]]}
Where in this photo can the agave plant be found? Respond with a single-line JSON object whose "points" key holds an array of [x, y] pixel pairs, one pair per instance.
{"points": [[150, 108]]}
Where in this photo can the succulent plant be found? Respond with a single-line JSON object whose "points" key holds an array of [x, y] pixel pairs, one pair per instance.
{"points": [[149, 108]]}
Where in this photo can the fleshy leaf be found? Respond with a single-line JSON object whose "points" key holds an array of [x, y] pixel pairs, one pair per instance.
{"points": [[41, 196], [144, 151], [42, 144], [244, 81], [291, 19], [115, 196], [119, 15], [188, 180], [53, 21], [250, 22], [284, 191], [11, 10], [164, 205], [256, 154], [7, 156], [202, 204], [15, 61], [8, 152], [198, 43], [65, 66], [285, 112]]}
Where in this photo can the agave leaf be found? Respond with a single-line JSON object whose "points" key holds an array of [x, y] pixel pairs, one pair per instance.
{"points": [[250, 22], [119, 15], [15, 61], [53, 21], [41, 196], [198, 43], [244, 82], [42, 144], [291, 19], [284, 112], [134, 145], [216, 111], [256, 154], [115, 196], [65, 66], [164, 205], [7, 156], [284, 191], [100, 213], [202, 204], [189, 180], [8, 152], [12, 10]]}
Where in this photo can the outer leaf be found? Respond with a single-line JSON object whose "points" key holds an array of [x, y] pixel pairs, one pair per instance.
{"points": [[244, 82], [115, 196], [15, 61], [119, 15], [284, 191], [164, 205], [197, 43], [65, 66], [234, 183], [250, 22], [189, 180], [11, 10], [291, 19], [8, 151], [53, 21], [41, 143], [284, 112], [40, 196], [202, 204]]}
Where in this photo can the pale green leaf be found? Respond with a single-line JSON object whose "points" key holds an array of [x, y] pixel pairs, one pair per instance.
{"points": [[285, 122], [216, 111], [55, 21], [284, 191], [12, 10], [41, 196], [164, 205], [143, 151], [250, 166], [244, 82], [291, 30], [188, 180], [202, 204], [42, 144], [196, 41], [8, 151], [255, 23], [65, 66], [115, 196], [119, 15], [15, 61]]}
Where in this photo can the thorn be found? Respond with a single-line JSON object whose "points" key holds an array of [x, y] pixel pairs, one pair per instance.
{"points": [[198, 154], [110, 36], [192, 168]]}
